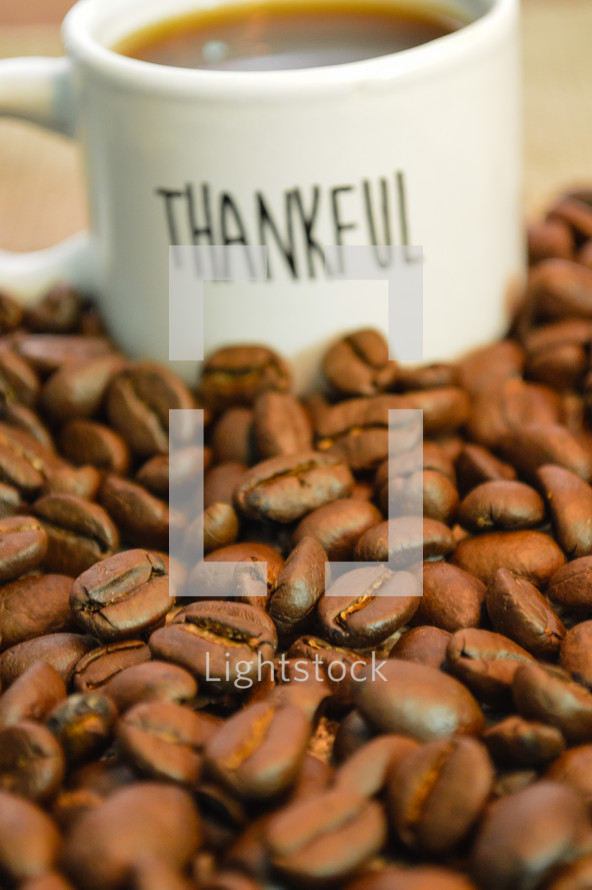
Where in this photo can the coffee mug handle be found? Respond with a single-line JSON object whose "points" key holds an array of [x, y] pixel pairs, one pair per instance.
{"points": [[40, 90]]}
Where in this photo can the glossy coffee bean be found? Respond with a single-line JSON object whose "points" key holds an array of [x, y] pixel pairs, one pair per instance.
{"points": [[570, 503], [60, 650], [78, 390], [477, 465], [23, 544], [18, 381], [218, 642], [101, 664], [236, 375], [517, 609], [280, 425], [437, 793], [526, 835], [32, 762], [79, 533], [257, 753], [560, 288], [88, 442], [163, 740], [411, 540], [142, 518], [341, 667], [501, 505], [418, 701], [111, 838], [368, 769], [33, 606], [32, 695], [418, 878], [48, 352], [424, 644], [29, 840], [221, 481], [574, 768], [576, 653], [485, 661], [285, 488], [298, 587], [11, 313], [532, 555], [571, 585], [452, 598], [365, 606], [338, 526], [521, 743], [534, 445], [58, 311], [151, 681], [252, 579], [358, 365], [552, 698], [83, 724], [233, 437], [122, 596], [576, 876], [325, 838]]}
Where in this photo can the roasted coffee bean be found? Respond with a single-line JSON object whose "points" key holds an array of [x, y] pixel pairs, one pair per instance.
{"points": [[325, 838], [358, 365], [342, 667], [576, 653], [57, 312], [18, 381], [560, 288], [353, 733], [501, 505], [521, 743], [298, 587], [251, 579], [576, 876], [98, 667], [233, 437], [570, 502], [88, 442], [221, 643], [416, 700], [31, 761], [11, 313], [18, 472], [49, 352], [138, 403], [338, 526], [477, 465], [411, 540], [26, 420], [499, 410], [10, 500], [32, 695], [238, 374], [78, 533], [485, 661], [544, 695], [366, 606], [151, 681], [257, 753], [529, 554], [452, 598], [367, 770], [417, 878], [142, 518], [437, 793], [61, 650], [219, 527], [575, 213], [357, 431], [29, 840], [574, 768], [33, 606], [526, 835], [122, 596], [23, 544], [297, 684], [562, 367], [83, 724], [534, 445], [424, 644], [285, 488], [280, 425], [549, 239], [78, 390], [111, 838], [571, 585], [495, 364], [154, 475], [220, 483], [517, 609], [53, 881], [82, 482], [163, 740]]}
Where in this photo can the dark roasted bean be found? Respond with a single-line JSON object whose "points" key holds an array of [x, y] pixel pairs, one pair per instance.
{"points": [[151, 681], [23, 544], [78, 390], [540, 694], [298, 587], [522, 743], [32, 695], [532, 555], [416, 700], [62, 651], [285, 488], [33, 606], [526, 835], [31, 761], [452, 598], [142, 518], [233, 438], [437, 793], [366, 606], [534, 445], [549, 239], [501, 505], [83, 724], [417, 878], [220, 483], [517, 609], [367, 770], [247, 581], [11, 313], [358, 365], [18, 381], [88, 442], [576, 876], [280, 425], [221, 643], [576, 653], [78, 532], [561, 288], [325, 838], [424, 644], [485, 661], [411, 540], [58, 312], [98, 667], [574, 768], [571, 585], [238, 374], [338, 526], [123, 596]]}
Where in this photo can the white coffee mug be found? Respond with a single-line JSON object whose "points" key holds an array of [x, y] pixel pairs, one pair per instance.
{"points": [[420, 147]]}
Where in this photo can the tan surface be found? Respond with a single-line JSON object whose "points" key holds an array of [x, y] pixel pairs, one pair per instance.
{"points": [[41, 196]]}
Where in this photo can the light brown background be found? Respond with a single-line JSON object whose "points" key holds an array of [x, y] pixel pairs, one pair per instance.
{"points": [[40, 182]]}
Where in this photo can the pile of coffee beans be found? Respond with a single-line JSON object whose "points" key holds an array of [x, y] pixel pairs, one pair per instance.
{"points": [[159, 736]]}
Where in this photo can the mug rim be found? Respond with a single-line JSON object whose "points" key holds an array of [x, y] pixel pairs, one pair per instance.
{"points": [[83, 46]]}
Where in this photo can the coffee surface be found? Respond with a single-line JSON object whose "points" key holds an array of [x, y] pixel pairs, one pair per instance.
{"points": [[262, 37]]}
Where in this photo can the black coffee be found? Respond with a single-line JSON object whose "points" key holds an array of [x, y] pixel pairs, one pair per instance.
{"points": [[260, 37]]}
